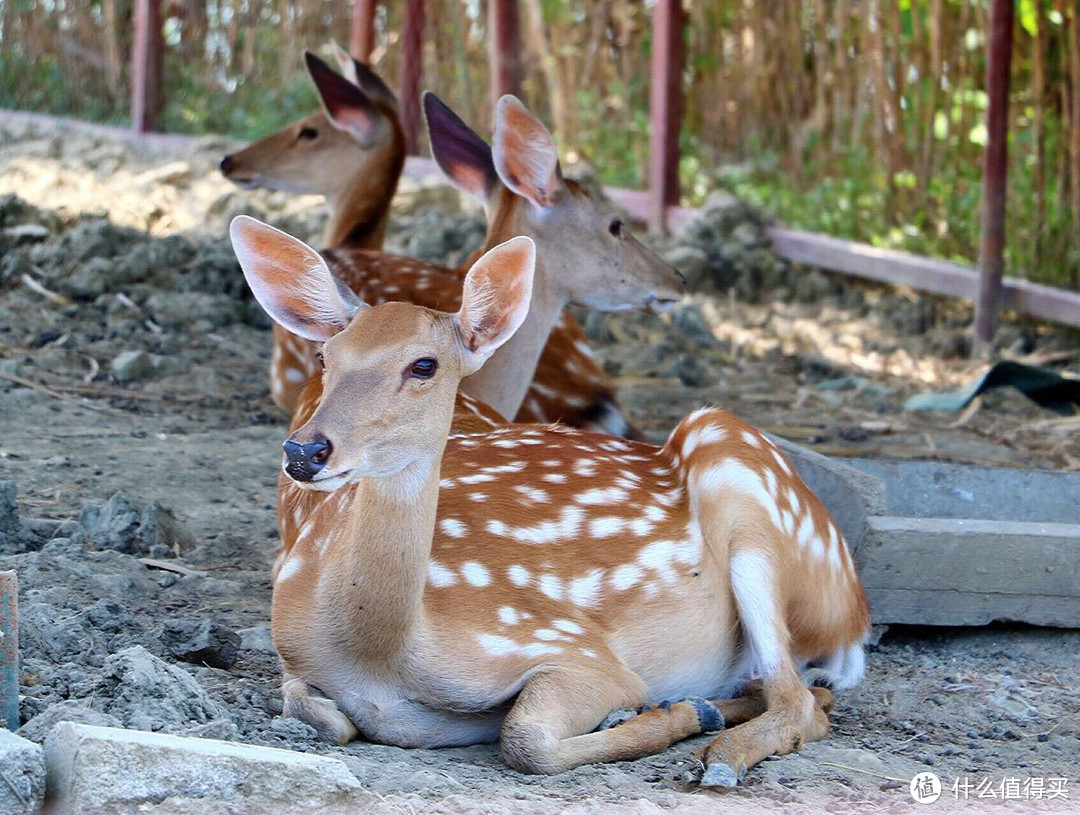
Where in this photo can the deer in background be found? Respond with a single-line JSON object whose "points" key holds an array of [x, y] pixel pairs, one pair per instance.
{"points": [[360, 117], [524, 584]]}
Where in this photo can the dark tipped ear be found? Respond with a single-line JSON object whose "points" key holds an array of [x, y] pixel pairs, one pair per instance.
{"points": [[347, 106], [526, 158], [373, 84], [498, 290], [291, 281], [462, 155]]}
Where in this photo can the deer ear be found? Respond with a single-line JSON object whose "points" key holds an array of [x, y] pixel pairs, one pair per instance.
{"points": [[359, 73], [498, 289], [291, 281], [525, 155], [345, 63], [463, 156], [347, 106]]}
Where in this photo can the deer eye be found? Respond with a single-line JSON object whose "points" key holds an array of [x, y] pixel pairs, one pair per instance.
{"points": [[308, 133], [322, 362], [424, 368], [616, 228]]}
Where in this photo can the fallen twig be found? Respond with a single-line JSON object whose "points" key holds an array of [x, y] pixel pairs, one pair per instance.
{"points": [[36, 287]]}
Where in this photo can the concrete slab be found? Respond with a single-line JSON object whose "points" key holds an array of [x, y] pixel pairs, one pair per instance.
{"points": [[107, 769], [927, 489]]}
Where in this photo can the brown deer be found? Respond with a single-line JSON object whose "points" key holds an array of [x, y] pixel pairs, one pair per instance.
{"points": [[359, 130], [525, 583]]}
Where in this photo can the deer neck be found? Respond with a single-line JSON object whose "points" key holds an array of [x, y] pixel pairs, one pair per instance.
{"points": [[504, 380], [359, 215], [378, 563]]}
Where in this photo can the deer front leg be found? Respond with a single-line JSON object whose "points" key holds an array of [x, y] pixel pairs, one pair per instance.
{"points": [[551, 727], [306, 703]]}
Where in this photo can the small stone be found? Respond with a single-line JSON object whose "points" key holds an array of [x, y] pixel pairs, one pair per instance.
{"points": [[22, 769], [69, 710], [205, 642], [27, 233], [130, 366], [257, 639]]}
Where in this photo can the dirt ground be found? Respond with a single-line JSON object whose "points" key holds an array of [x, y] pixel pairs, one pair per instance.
{"points": [[133, 361]]}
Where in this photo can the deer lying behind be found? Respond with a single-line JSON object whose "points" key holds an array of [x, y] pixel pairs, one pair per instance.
{"points": [[352, 152], [525, 583]]}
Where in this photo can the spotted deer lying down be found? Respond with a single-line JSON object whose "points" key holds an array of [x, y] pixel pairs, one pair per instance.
{"points": [[524, 584]]}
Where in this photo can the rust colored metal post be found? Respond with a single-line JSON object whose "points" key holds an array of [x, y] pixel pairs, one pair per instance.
{"points": [[995, 169], [9, 650], [505, 49], [412, 63], [665, 109], [147, 67], [362, 34]]}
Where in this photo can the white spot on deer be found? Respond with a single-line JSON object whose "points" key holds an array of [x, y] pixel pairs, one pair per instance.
{"points": [[658, 556], [587, 652], [519, 576], [497, 646], [512, 467], [615, 446], [606, 526], [537, 496], [508, 615], [479, 497], [551, 462], [793, 499], [569, 626], [551, 586], [540, 649], [548, 635], [294, 375], [751, 438], [476, 574], [655, 513], [787, 521], [780, 461], [602, 496], [585, 591], [585, 467], [478, 478], [567, 526], [834, 558], [626, 576], [453, 527], [293, 563], [505, 443], [554, 478], [752, 582], [806, 530], [709, 434], [817, 548], [733, 475], [439, 576], [770, 483]]}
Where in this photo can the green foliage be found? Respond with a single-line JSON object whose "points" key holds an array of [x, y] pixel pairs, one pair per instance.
{"points": [[43, 86]]}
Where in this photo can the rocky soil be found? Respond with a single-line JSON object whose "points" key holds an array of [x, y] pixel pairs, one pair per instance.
{"points": [[139, 447]]}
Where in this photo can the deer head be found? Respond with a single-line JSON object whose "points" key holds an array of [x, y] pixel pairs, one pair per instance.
{"points": [[588, 253], [352, 150], [384, 363]]}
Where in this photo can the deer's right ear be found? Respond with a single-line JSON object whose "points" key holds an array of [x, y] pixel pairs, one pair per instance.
{"points": [[347, 106], [463, 156], [291, 281], [498, 290]]}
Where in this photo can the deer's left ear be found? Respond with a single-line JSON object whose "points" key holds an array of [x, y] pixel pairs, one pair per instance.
{"points": [[498, 290], [526, 158], [347, 106]]}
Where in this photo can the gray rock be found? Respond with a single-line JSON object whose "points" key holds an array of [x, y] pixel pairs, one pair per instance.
{"points": [[69, 710], [194, 310], [205, 642], [90, 770], [120, 525], [131, 366], [22, 774], [27, 233], [257, 639], [146, 693]]}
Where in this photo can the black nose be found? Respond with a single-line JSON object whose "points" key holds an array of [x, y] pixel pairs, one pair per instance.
{"points": [[305, 460], [227, 164]]}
